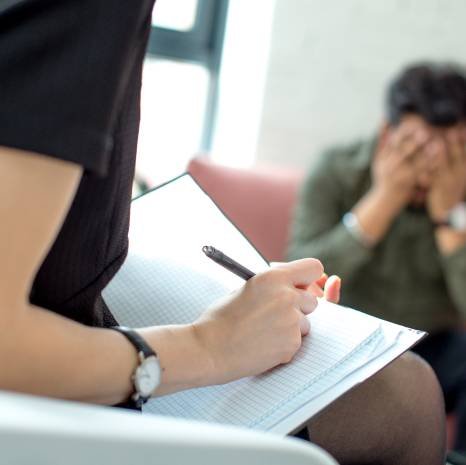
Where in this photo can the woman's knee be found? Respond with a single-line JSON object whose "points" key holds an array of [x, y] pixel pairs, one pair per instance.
{"points": [[415, 388], [416, 383], [396, 416]]}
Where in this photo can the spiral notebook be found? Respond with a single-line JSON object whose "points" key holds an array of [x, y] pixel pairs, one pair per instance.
{"points": [[166, 279]]}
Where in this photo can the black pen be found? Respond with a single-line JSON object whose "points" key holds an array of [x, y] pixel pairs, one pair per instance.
{"points": [[227, 262]]}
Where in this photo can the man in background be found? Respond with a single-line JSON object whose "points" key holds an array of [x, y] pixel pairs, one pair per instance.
{"points": [[388, 216]]}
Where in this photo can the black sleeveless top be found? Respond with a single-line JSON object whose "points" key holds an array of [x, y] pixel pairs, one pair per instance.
{"points": [[70, 79]]}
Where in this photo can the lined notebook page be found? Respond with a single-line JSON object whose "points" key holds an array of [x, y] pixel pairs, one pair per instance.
{"points": [[166, 279], [330, 353]]}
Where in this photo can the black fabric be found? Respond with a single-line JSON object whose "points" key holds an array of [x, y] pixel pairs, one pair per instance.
{"points": [[302, 434], [70, 78], [446, 353]]}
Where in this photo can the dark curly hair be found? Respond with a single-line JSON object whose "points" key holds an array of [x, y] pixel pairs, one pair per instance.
{"points": [[436, 92]]}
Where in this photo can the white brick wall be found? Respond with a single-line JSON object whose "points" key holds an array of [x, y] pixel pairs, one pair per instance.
{"points": [[330, 61]]}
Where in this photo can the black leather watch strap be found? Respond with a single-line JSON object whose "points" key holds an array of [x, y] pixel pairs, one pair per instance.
{"points": [[136, 339], [441, 224]]}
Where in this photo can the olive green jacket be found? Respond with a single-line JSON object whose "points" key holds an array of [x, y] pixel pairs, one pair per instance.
{"points": [[404, 278]]}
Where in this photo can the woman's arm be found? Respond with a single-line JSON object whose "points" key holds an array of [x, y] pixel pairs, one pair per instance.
{"points": [[43, 353], [40, 351]]}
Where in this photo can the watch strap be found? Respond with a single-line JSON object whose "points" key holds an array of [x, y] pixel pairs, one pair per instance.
{"points": [[137, 340], [455, 219], [139, 401], [441, 224]]}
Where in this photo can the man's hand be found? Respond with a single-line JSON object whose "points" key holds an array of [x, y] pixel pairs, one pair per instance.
{"points": [[449, 181], [397, 167], [398, 164], [448, 186], [260, 326]]}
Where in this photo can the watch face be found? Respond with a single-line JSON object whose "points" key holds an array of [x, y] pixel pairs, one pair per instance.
{"points": [[147, 376], [457, 217]]}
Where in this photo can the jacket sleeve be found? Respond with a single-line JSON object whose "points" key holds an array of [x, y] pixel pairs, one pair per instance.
{"points": [[454, 266], [317, 230]]}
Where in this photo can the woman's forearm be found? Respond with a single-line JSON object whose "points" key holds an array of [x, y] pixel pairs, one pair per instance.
{"points": [[45, 354]]}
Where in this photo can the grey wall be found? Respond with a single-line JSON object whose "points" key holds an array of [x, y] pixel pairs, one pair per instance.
{"points": [[330, 61]]}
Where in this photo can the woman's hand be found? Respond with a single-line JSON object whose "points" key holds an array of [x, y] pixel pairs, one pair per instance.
{"points": [[262, 325], [326, 287], [251, 331]]}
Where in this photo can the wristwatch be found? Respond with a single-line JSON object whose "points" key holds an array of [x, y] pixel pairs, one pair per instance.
{"points": [[456, 218], [147, 375], [351, 223]]}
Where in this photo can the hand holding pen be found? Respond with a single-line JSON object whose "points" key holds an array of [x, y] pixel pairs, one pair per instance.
{"points": [[261, 324], [325, 286]]}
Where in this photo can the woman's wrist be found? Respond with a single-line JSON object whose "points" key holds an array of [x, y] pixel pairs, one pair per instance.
{"points": [[220, 355], [184, 362]]}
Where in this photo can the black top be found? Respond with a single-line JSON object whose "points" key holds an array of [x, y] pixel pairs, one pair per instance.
{"points": [[70, 79]]}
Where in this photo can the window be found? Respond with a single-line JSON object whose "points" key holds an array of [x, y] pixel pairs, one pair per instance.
{"points": [[178, 15], [179, 93]]}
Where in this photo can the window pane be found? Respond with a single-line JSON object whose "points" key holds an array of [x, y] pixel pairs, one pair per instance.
{"points": [[174, 96], [175, 14]]}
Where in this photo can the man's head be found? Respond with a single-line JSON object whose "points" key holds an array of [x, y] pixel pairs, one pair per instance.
{"points": [[436, 93], [431, 99]]}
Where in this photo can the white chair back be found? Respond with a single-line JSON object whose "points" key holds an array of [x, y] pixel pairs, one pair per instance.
{"points": [[37, 431]]}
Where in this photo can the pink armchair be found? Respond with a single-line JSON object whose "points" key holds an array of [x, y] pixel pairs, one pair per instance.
{"points": [[259, 201]]}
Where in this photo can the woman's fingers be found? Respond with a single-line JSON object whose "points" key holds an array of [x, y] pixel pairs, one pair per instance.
{"points": [[304, 272], [332, 289], [307, 301], [315, 289], [321, 281], [304, 326], [325, 286]]}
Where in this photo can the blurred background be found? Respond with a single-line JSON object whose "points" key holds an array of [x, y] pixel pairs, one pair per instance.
{"points": [[275, 81]]}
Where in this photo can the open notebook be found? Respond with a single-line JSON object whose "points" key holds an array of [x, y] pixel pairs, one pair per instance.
{"points": [[167, 279]]}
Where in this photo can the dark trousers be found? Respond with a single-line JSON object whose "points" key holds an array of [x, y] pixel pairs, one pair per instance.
{"points": [[446, 353]]}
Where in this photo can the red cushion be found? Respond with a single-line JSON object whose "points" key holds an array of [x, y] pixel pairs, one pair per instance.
{"points": [[451, 430], [259, 201]]}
